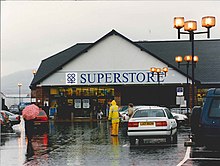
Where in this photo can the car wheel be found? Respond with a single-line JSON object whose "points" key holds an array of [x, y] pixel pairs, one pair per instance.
{"points": [[132, 141], [175, 138], [198, 140], [168, 139], [9, 126], [178, 124], [141, 141]]}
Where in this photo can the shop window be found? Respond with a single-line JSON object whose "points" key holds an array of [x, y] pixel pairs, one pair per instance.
{"points": [[93, 91], [61, 91], [54, 91], [77, 103], [70, 102], [69, 92], [74, 91], [78, 91], [85, 91], [110, 92], [101, 92]]}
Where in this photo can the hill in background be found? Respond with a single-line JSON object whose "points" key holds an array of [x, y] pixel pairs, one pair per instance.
{"points": [[9, 83]]}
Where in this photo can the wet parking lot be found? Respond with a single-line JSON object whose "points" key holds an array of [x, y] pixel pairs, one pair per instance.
{"points": [[87, 143]]}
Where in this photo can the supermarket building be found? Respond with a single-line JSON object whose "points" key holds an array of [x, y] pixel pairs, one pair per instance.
{"points": [[82, 79]]}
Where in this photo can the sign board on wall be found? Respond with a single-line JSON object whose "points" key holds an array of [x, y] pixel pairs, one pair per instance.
{"points": [[114, 77], [179, 91], [85, 103], [180, 100], [77, 103]]}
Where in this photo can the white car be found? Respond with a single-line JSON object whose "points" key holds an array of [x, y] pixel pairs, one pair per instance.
{"points": [[13, 118], [180, 118], [152, 122], [123, 114], [181, 110], [123, 111]]}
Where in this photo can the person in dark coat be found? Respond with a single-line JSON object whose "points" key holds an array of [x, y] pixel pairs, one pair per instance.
{"points": [[46, 109], [29, 128], [30, 150]]}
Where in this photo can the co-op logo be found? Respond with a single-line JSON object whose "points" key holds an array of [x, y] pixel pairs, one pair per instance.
{"points": [[71, 78]]}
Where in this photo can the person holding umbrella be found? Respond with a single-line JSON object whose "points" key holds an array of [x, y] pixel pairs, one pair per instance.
{"points": [[114, 117], [29, 113]]}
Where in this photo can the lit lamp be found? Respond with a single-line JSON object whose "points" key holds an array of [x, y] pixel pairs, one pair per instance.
{"points": [[34, 72], [19, 92], [178, 24], [159, 71], [165, 70], [208, 22], [189, 28], [187, 59]]}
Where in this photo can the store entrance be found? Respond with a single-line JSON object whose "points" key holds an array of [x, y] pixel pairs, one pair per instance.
{"points": [[81, 101]]}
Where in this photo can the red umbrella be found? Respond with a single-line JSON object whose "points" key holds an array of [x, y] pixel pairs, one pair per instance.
{"points": [[30, 112]]}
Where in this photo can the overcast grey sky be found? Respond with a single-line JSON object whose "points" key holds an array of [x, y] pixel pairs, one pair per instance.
{"points": [[34, 30]]}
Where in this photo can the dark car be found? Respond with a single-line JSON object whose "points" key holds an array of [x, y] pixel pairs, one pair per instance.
{"points": [[14, 109], [13, 118], [3, 123], [205, 121], [6, 121], [22, 105]]}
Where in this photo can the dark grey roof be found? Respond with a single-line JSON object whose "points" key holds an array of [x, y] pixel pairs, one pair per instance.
{"points": [[206, 70], [50, 65]]}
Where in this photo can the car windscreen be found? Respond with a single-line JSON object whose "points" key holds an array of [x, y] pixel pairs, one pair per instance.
{"points": [[9, 114], [122, 109], [41, 113], [215, 108], [149, 113]]}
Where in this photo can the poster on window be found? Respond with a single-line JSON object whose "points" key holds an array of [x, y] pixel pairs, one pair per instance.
{"points": [[77, 103], [85, 103]]}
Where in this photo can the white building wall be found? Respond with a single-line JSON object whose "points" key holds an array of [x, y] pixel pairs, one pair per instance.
{"points": [[113, 54]]}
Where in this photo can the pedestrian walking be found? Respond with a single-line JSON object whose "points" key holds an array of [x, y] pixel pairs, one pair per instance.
{"points": [[130, 110], [29, 128], [107, 109], [29, 113], [114, 117], [46, 109], [30, 150]]}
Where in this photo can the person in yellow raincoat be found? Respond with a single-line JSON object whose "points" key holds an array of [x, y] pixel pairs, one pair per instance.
{"points": [[114, 117]]}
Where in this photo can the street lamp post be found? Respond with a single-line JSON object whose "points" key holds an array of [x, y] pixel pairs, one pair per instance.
{"points": [[189, 28], [19, 92], [34, 72], [159, 71], [187, 59]]}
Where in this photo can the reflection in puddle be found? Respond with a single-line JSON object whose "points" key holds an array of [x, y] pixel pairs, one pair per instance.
{"points": [[91, 144]]}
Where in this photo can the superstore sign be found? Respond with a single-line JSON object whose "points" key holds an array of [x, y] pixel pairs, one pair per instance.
{"points": [[122, 77]]}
